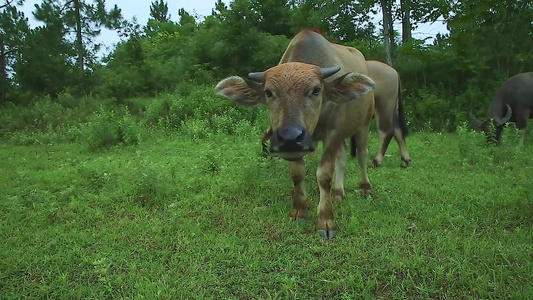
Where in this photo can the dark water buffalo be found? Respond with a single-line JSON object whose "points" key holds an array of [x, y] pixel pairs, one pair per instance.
{"points": [[319, 91], [389, 110], [513, 103]]}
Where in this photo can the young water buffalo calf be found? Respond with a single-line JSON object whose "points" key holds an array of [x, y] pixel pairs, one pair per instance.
{"points": [[320, 91]]}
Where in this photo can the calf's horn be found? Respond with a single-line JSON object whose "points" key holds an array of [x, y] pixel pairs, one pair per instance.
{"points": [[507, 116], [326, 72], [257, 76]]}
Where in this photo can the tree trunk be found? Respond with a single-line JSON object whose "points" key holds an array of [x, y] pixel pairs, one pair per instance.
{"points": [[79, 37], [406, 21], [387, 34], [3, 73]]}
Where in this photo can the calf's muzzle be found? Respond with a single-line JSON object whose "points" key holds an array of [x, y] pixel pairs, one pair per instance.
{"points": [[291, 139]]}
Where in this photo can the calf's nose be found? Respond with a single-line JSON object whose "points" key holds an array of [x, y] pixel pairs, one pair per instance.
{"points": [[291, 134], [291, 138]]}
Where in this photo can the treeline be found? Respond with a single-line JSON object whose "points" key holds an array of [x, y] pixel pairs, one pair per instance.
{"points": [[488, 41]]}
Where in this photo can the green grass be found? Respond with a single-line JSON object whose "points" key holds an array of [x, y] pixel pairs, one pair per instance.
{"points": [[209, 218]]}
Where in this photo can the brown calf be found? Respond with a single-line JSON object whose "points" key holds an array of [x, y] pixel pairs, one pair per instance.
{"points": [[319, 92]]}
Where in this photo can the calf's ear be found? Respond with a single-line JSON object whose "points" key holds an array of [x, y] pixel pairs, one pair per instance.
{"points": [[245, 92], [348, 87]]}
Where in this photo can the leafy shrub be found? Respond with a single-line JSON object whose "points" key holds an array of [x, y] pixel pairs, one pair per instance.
{"points": [[129, 129], [428, 111], [223, 124], [102, 130], [245, 128], [170, 111], [196, 128], [45, 114], [36, 117], [107, 128], [56, 135], [67, 100], [157, 110]]}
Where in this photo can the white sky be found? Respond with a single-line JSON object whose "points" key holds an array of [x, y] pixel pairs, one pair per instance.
{"points": [[201, 8]]}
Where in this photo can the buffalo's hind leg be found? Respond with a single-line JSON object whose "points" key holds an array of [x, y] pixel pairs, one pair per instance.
{"points": [[384, 141], [385, 131], [299, 204], [521, 123], [400, 139]]}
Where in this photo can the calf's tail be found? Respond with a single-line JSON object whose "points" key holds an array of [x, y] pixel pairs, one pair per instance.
{"points": [[401, 112], [353, 146]]}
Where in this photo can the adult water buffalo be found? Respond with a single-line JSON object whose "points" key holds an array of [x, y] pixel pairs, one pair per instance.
{"points": [[319, 91], [389, 110], [513, 103]]}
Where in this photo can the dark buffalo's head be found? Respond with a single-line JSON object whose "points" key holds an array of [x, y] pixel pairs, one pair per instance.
{"points": [[294, 94], [493, 126]]}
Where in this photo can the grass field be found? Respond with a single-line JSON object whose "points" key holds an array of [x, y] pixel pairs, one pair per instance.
{"points": [[207, 218]]}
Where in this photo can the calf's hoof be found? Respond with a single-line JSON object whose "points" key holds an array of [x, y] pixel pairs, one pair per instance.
{"points": [[327, 229], [375, 163], [338, 195], [298, 214], [405, 162], [327, 234], [366, 189]]}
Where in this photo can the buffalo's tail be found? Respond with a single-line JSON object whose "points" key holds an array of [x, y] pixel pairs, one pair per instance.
{"points": [[353, 146], [401, 111]]}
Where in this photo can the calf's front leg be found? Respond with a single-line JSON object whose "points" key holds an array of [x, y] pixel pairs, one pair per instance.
{"points": [[299, 199], [326, 226]]}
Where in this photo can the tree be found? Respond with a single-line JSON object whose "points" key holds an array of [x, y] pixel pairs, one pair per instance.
{"points": [[340, 20], [274, 16], [311, 14], [159, 11], [405, 7], [350, 20], [13, 28], [83, 19], [388, 31], [185, 17], [492, 37], [44, 65], [159, 16]]}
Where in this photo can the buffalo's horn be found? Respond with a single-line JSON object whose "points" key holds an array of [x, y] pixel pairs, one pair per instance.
{"points": [[507, 116], [257, 76], [326, 72], [477, 123]]}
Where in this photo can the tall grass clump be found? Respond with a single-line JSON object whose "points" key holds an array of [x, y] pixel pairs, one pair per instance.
{"points": [[38, 116], [46, 114], [201, 112], [108, 128]]}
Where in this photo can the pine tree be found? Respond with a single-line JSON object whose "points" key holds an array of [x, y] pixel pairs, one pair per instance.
{"points": [[159, 11], [83, 19]]}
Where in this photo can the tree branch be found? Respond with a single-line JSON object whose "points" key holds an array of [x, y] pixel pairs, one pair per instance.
{"points": [[2, 55], [8, 3], [65, 6]]}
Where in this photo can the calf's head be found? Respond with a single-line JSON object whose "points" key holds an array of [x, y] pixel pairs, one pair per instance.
{"points": [[294, 94]]}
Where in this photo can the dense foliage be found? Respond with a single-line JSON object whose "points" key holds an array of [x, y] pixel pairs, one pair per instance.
{"points": [[458, 72]]}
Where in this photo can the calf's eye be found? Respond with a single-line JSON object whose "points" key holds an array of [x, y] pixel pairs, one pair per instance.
{"points": [[316, 91], [268, 93]]}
